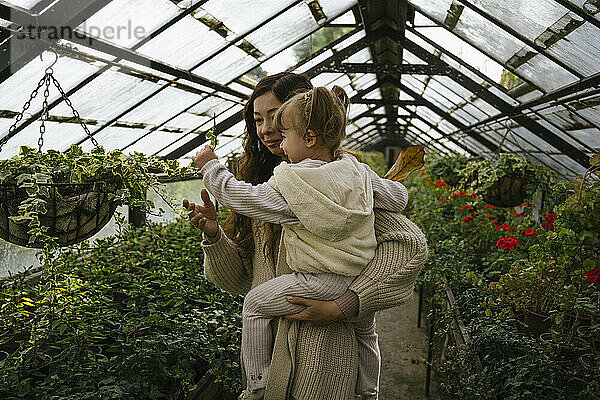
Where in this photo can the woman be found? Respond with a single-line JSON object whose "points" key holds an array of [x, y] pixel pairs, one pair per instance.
{"points": [[316, 359]]}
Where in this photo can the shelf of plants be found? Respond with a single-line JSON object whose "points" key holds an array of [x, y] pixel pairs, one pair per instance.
{"points": [[131, 318], [526, 281]]}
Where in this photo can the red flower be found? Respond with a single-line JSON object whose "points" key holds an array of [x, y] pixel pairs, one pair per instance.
{"points": [[456, 195], [508, 243], [422, 173], [489, 206], [517, 214], [466, 206], [507, 227], [496, 224], [593, 276], [440, 183], [427, 179], [530, 232], [469, 219], [490, 216], [473, 195], [442, 199], [550, 218]]}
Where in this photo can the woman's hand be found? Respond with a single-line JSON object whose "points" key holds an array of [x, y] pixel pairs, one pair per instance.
{"points": [[204, 216], [317, 312], [203, 156]]}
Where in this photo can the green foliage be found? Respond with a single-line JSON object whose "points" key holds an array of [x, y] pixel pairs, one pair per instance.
{"points": [[374, 159], [132, 317], [481, 175], [318, 40], [125, 178], [446, 168], [544, 268]]}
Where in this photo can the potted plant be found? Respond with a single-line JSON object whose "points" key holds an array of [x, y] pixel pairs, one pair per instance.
{"points": [[447, 168], [64, 198], [505, 181]]}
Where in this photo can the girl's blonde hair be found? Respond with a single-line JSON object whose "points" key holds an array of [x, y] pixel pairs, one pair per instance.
{"points": [[321, 110]]}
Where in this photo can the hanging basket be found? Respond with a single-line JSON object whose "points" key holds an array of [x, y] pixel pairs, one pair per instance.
{"points": [[507, 191], [74, 212]]}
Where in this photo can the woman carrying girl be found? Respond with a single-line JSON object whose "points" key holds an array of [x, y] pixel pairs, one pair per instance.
{"points": [[309, 361], [324, 201]]}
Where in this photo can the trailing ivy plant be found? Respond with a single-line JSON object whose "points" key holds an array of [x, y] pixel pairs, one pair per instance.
{"points": [[482, 175], [125, 178]]}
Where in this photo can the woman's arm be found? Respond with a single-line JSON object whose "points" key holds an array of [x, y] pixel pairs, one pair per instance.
{"points": [[225, 266], [387, 281]]}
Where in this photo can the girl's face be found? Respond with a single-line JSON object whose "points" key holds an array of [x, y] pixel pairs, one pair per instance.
{"points": [[264, 108], [294, 143]]}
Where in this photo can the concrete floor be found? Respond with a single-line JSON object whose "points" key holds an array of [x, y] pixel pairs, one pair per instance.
{"points": [[403, 353]]}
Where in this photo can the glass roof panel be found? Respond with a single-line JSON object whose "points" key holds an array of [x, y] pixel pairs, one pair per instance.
{"points": [[288, 27], [531, 141], [437, 9], [475, 112], [58, 136], [590, 137], [485, 107], [590, 7], [161, 106], [569, 163], [209, 106], [463, 115], [127, 22], [528, 17], [487, 36], [107, 96], [28, 4], [470, 55], [114, 137], [544, 73], [16, 90], [199, 42], [563, 135], [591, 113], [227, 65], [149, 143], [580, 49], [553, 163], [236, 14]]}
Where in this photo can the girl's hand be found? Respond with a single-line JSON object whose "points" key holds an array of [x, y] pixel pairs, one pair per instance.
{"points": [[317, 312], [204, 216], [203, 156]]}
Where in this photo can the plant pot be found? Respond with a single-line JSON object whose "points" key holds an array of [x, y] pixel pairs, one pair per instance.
{"points": [[74, 212], [565, 351], [536, 324], [585, 333], [589, 362], [507, 191]]}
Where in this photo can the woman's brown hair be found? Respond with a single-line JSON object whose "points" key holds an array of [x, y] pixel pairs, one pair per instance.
{"points": [[257, 163]]}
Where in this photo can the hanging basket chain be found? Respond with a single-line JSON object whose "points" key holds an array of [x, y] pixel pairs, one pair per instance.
{"points": [[44, 116], [20, 115], [46, 79], [75, 112]]}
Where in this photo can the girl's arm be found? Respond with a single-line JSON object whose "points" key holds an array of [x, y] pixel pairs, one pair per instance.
{"points": [[260, 201], [387, 194]]}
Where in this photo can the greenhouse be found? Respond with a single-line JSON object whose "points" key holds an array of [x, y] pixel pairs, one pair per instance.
{"points": [[299, 199]]}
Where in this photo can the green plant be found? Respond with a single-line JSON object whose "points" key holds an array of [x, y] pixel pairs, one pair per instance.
{"points": [[482, 175], [447, 168], [132, 317], [35, 180]]}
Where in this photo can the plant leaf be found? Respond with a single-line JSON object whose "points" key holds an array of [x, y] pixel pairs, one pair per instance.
{"points": [[595, 160], [409, 160]]}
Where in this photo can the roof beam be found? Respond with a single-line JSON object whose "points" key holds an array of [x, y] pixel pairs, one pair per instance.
{"points": [[376, 68], [501, 105], [579, 12], [65, 13]]}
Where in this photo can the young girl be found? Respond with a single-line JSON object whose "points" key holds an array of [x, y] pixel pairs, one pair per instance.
{"points": [[324, 201]]}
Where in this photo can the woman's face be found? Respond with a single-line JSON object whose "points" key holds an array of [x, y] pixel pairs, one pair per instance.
{"points": [[264, 109]]}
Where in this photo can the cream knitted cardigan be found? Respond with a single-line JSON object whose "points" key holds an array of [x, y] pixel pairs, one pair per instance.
{"points": [[321, 362]]}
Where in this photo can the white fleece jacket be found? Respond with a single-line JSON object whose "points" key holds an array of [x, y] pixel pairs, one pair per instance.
{"points": [[334, 206]]}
